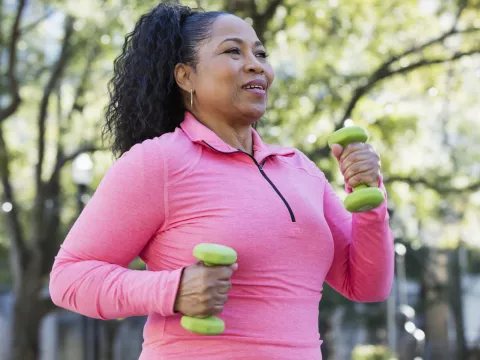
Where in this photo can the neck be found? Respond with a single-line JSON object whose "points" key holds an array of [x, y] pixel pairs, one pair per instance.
{"points": [[236, 134]]}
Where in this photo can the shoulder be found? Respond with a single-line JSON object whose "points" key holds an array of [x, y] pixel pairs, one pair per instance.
{"points": [[169, 147], [177, 153], [136, 166], [154, 162]]}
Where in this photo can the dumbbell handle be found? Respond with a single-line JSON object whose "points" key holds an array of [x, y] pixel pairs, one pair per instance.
{"points": [[210, 255], [347, 136], [363, 197]]}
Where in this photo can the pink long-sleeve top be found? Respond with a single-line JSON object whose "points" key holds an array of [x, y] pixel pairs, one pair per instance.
{"points": [[275, 208]]}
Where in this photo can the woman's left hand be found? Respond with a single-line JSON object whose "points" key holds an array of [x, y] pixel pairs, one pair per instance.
{"points": [[359, 164]]}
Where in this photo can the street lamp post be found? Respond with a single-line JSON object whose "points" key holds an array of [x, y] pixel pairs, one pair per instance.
{"points": [[82, 174], [398, 297], [400, 251]]}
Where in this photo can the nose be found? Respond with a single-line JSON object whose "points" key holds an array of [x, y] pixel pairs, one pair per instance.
{"points": [[254, 65]]}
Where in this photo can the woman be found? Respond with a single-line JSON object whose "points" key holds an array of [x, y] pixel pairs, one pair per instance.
{"points": [[186, 91]]}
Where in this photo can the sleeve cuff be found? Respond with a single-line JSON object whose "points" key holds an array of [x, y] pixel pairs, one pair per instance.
{"points": [[168, 293]]}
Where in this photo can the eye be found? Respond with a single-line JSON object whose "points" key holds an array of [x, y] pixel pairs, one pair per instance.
{"points": [[262, 54], [233, 51]]}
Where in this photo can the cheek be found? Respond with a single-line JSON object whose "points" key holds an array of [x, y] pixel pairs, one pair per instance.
{"points": [[219, 79], [269, 73]]}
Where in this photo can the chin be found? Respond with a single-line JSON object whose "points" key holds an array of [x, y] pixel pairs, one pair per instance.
{"points": [[253, 113]]}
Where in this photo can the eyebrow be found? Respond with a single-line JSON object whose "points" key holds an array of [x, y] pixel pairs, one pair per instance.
{"points": [[240, 41]]}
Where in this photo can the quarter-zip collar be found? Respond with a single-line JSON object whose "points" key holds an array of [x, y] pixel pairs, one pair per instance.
{"points": [[199, 133]]}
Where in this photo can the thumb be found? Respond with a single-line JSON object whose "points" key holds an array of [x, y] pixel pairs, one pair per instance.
{"points": [[234, 267], [337, 151]]}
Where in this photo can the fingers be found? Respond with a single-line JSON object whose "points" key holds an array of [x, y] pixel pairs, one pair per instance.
{"points": [[219, 297], [217, 309], [216, 304], [203, 289], [220, 300], [356, 147], [364, 178], [359, 167], [360, 164], [354, 160], [224, 272], [202, 315], [223, 287], [337, 151]]}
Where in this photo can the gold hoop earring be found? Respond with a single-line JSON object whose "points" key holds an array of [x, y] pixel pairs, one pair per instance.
{"points": [[191, 98]]}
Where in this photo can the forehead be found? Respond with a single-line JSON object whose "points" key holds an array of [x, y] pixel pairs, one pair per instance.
{"points": [[230, 26]]}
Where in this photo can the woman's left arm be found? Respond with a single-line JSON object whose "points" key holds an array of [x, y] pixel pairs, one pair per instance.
{"points": [[363, 264]]}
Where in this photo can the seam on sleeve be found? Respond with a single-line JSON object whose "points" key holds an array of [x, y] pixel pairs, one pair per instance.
{"points": [[166, 208], [191, 167], [351, 273]]}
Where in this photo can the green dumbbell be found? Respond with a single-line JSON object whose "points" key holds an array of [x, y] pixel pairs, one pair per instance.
{"points": [[211, 255], [363, 198]]}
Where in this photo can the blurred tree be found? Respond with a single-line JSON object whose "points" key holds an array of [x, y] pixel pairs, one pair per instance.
{"points": [[405, 70], [387, 65], [49, 69], [370, 352]]}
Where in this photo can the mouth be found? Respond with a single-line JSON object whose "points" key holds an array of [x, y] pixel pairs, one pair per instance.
{"points": [[257, 87]]}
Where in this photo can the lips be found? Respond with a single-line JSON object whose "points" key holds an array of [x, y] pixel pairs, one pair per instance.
{"points": [[257, 86]]}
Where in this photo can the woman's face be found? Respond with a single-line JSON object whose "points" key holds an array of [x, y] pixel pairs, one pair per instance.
{"points": [[232, 76]]}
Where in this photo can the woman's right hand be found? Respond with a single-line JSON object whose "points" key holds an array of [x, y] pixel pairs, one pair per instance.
{"points": [[203, 289]]}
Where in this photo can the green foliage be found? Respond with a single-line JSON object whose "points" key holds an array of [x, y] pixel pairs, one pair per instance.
{"points": [[420, 108], [424, 122]]}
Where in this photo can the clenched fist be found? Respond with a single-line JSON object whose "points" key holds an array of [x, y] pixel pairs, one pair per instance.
{"points": [[203, 289], [359, 164]]}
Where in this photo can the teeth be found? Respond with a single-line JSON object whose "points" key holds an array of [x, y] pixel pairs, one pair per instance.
{"points": [[254, 87]]}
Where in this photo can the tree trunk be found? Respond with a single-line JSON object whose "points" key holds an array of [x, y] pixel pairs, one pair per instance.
{"points": [[324, 327], [456, 298], [436, 306], [111, 329], [27, 314], [28, 310]]}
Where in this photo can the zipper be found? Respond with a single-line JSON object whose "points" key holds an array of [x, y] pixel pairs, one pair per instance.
{"points": [[260, 168]]}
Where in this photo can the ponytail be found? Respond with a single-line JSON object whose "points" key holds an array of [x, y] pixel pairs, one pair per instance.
{"points": [[145, 101]]}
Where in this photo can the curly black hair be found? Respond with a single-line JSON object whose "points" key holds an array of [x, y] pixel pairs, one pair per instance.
{"points": [[145, 100]]}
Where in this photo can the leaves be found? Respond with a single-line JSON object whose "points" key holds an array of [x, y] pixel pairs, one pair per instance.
{"points": [[406, 72], [375, 64]]}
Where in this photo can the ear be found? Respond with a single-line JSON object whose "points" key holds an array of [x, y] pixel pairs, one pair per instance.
{"points": [[183, 77]]}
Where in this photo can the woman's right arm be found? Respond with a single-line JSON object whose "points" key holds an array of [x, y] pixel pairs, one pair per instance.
{"points": [[90, 274]]}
